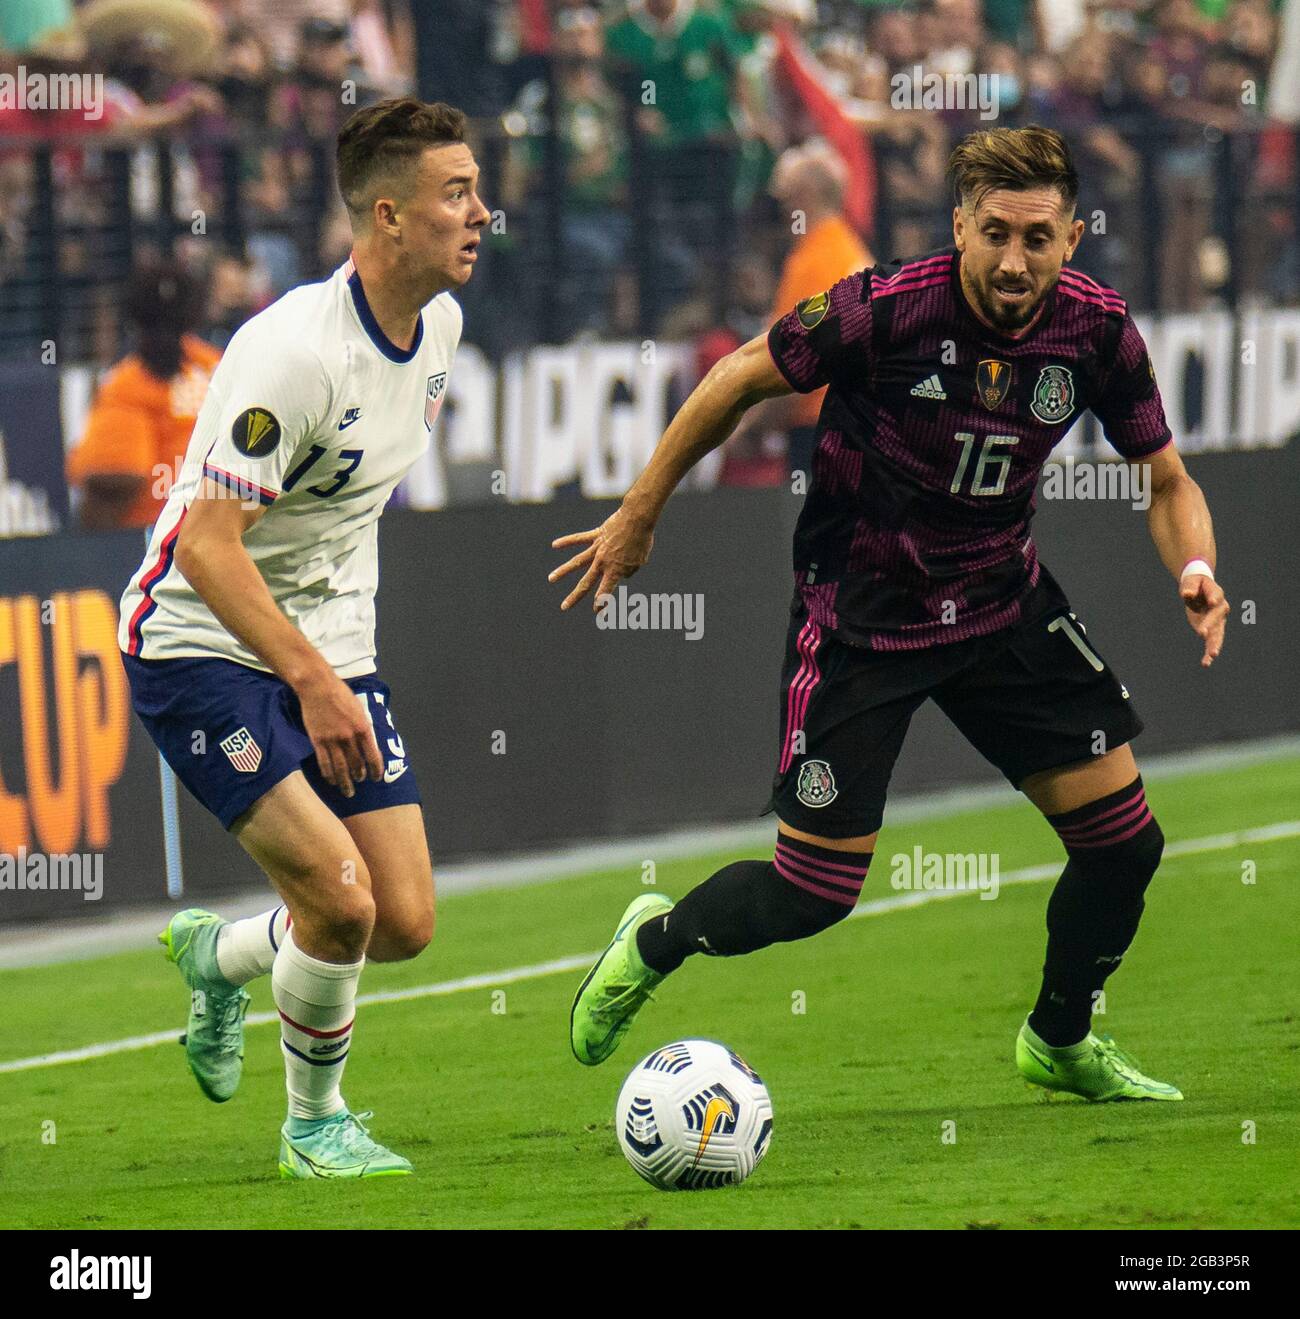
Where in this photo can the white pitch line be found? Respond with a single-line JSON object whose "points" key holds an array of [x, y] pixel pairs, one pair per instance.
{"points": [[486, 981], [77, 939], [491, 979]]}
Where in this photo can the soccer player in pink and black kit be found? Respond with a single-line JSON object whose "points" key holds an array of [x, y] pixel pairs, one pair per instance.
{"points": [[950, 379]]}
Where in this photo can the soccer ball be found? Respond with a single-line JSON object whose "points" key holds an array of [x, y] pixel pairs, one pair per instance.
{"points": [[693, 1115]]}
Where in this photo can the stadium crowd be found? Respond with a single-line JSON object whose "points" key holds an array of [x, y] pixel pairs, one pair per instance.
{"points": [[656, 198]]}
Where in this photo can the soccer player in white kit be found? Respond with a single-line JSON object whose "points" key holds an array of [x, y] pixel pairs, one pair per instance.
{"points": [[248, 631]]}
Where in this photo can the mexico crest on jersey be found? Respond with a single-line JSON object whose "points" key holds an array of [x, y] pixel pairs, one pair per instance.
{"points": [[433, 398], [1053, 399], [992, 380], [816, 784], [242, 752]]}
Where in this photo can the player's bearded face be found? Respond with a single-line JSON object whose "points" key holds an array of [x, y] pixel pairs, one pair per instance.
{"points": [[1013, 249]]}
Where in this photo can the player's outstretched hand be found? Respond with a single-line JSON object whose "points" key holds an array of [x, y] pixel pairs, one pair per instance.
{"points": [[1207, 612], [614, 550], [340, 732]]}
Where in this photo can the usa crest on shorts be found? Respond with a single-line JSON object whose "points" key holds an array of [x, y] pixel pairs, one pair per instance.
{"points": [[1053, 399], [242, 751], [816, 784]]}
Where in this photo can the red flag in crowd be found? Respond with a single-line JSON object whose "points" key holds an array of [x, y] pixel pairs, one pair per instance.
{"points": [[797, 70], [534, 26]]}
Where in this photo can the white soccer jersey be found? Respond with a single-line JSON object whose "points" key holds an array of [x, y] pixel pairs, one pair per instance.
{"points": [[316, 414]]}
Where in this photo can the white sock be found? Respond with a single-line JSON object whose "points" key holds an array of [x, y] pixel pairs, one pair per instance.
{"points": [[317, 1002], [246, 949]]}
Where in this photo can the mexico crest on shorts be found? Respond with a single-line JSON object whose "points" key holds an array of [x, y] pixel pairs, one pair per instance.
{"points": [[1053, 399], [816, 784], [433, 398]]}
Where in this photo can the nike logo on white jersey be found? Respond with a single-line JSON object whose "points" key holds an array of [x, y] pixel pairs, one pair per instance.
{"points": [[929, 388], [394, 770], [351, 415]]}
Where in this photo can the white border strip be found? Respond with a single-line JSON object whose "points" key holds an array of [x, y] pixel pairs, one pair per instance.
{"points": [[877, 907]]}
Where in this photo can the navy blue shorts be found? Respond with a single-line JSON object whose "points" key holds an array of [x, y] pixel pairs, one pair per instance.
{"points": [[231, 733]]}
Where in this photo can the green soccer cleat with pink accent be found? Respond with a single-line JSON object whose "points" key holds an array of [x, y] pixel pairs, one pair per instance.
{"points": [[1096, 1068]]}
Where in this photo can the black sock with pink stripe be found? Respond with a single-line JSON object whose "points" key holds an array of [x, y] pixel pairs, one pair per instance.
{"points": [[1114, 845], [751, 904]]}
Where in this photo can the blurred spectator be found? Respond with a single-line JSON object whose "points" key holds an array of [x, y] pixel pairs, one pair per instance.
{"points": [[142, 416], [674, 65], [244, 81], [1001, 60], [281, 22], [1081, 105], [133, 105], [313, 104], [384, 45], [1058, 22], [1180, 50], [762, 103], [307, 108], [1008, 20], [235, 292], [676, 60], [808, 183], [595, 223]]}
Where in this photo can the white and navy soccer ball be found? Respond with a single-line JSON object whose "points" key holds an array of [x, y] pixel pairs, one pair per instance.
{"points": [[692, 1116]]}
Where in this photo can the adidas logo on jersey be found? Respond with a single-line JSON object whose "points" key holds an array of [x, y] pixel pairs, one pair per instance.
{"points": [[929, 388]]}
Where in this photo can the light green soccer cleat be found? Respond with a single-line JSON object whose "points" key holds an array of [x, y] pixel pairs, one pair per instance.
{"points": [[609, 998], [214, 1037], [340, 1148], [1096, 1068]]}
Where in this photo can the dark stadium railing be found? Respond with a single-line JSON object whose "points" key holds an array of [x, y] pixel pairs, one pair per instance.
{"points": [[675, 236]]}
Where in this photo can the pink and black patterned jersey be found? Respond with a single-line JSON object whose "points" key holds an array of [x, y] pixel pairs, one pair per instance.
{"points": [[915, 531]]}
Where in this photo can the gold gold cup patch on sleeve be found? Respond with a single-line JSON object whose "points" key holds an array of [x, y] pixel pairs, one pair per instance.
{"points": [[255, 432], [811, 310]]}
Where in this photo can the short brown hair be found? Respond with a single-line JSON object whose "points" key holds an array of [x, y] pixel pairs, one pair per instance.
{"points": [[386, 138], [1014, 158]]}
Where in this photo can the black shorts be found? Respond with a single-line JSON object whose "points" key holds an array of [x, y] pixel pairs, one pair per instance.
{"points": [[1031, 697]]}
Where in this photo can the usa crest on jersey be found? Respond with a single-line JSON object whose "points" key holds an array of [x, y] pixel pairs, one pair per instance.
{"points": [[433, 398], [242, 751]]}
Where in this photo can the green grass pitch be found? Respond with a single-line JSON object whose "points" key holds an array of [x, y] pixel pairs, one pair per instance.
{"points": [[909, 1023]]}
